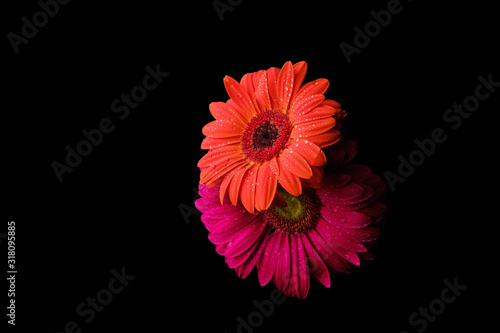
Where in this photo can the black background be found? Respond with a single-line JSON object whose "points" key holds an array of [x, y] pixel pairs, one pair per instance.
{"points": [[120, 206]]}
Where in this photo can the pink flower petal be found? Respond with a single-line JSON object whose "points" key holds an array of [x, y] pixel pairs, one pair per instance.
{"points": [[282, 274], [317, 267], [344, 218], [336, 237], [358, 173], [327, 253], [299, 278], [247, 260], [365, 234], [225, 231], [268, 259], [245, 237]]}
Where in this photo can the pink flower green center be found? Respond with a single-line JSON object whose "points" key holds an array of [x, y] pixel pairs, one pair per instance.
{"points": [[265, 136], [299, 216]]}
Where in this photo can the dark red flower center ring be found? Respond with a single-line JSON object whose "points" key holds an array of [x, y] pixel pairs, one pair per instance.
{"points": [[299, 216], [265, 136]]}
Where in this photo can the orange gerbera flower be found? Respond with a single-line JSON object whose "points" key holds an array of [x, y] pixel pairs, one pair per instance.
{"points": [[269, 132]]}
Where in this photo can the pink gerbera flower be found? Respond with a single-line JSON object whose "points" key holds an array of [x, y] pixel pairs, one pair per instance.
{"points": [[320, 232], [269, 132]]}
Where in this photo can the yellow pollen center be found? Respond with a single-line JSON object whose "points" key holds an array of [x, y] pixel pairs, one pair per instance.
{"points": [[294, 208]]}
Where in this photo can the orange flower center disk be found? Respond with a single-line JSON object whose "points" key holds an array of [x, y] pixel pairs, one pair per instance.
{"points": [[299, 216], [265, 136]]}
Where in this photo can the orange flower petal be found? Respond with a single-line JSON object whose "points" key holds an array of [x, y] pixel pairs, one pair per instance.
{"points": [[226, 181], [262, 93], [318, 86], [272, 84], [265, 187], [256, 77], [296, 164], [217, 171], [326, 139], [247, 83], [290, 182], [303, 105], [221, 110], [285, 86], [312, 128], [215, 182], [223, 129], [212, 143], [309, 151], [273, 164], [239, 96], [332, 103], [299, 70], [339, 111], [213, 155], [234, 186], [318, 112], [247, 189]]}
